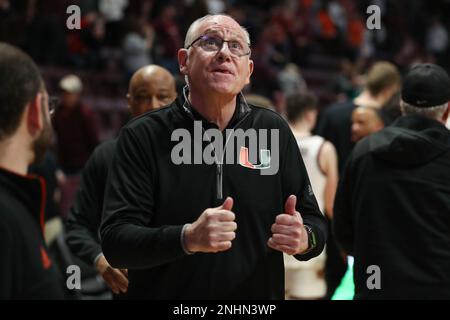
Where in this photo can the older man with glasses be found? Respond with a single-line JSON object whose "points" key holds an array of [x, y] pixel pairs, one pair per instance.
{"points": [[200, 230]]}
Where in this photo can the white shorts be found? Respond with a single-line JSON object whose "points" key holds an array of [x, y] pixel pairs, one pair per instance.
{"points": [[305, 279]]}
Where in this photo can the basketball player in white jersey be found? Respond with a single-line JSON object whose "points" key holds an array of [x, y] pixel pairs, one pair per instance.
{"points": [[305, 280]]}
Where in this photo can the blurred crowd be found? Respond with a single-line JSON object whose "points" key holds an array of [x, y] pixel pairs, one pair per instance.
{"points": [[324, 42]]}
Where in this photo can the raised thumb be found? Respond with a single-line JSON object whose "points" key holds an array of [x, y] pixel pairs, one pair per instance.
{"points": [[289, 206], [228, 204]]}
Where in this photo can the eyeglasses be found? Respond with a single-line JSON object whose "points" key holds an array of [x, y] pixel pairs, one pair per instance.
{"points": [[211, 43], [52, 104]]}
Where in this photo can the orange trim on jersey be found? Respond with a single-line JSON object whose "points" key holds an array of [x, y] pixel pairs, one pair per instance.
{"points": [[43, 193], [46, 262], [43, 200]]}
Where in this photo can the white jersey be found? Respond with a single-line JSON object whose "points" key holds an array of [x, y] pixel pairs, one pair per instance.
{"points": [[305, 279], [310, 147]]}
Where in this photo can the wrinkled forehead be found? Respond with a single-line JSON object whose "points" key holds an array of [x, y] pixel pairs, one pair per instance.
{"points": [[223, 26], [151, 86], [149, 79]]}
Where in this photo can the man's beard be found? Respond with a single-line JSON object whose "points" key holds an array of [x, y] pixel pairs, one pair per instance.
{"points": [[41, 144]]}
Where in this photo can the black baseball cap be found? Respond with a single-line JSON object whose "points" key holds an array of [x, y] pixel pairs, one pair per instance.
{"points": [[426, 85]]}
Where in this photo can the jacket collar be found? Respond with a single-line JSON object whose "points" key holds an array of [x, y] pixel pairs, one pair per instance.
{"points": [[410, 141], [241, 110], [28, 189], [429, 128]]}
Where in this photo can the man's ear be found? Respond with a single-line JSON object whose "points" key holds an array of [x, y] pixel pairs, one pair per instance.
{"points": [[182, 60], [35, 122], [250, 71], [128, 96]]}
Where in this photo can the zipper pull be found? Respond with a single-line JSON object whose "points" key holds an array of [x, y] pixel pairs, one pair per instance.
{"points": [[219, 181]]}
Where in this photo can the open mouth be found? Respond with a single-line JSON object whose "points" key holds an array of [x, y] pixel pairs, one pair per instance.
{"points": [[223, 71]]}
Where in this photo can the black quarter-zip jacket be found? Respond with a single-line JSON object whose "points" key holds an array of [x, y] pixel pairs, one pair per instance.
{"points": [[26, 270], [148, 199], [392, 210]]}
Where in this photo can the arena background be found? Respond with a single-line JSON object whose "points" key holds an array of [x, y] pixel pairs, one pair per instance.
{"points": [[324, 46]]}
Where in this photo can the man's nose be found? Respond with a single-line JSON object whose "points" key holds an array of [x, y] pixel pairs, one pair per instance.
{"points": [[150, 104], [224, 53]]}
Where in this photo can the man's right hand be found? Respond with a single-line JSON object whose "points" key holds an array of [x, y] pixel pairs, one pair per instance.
{"points": [[116, 279], [213, 231]]}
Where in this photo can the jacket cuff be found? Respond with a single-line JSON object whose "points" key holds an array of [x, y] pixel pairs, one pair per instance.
{"points": [[320, 243], [97, 258], [183, 245]]}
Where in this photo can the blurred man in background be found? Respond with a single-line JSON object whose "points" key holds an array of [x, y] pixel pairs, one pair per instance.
{"points": [[393, 202], [365, 120], [306, 279], [150, 87], [26, 271], [77, 136], [382, 81]]}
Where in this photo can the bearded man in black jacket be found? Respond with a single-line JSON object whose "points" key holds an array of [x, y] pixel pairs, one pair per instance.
{"points": [[26, 269], [200, 203]]}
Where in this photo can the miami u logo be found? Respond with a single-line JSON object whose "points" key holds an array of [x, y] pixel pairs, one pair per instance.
{"points": [[264, 156]]}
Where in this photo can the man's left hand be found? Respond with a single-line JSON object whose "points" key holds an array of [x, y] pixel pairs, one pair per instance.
{"points": [[288, 233]]}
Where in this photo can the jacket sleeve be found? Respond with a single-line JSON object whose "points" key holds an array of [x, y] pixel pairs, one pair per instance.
{"points": [[7, 259], [85, 214], [128, 238], [296, 181], [342, 220]]}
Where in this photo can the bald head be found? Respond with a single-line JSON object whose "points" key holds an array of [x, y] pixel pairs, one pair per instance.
{"points": [[212, 19], [151, 87]]}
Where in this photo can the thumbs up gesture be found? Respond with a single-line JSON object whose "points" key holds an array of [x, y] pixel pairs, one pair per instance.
{"points": [[288, 233], [213, 231]]}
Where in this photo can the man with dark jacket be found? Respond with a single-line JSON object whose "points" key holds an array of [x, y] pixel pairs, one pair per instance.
{"points": [[195, 218], [392, 208], [382, 82], [335, 125], [150, 88], [26, 271], [77, 136]]}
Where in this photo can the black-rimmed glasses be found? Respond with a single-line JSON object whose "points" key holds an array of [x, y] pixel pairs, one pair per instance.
{"points": [[212, 43]]}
